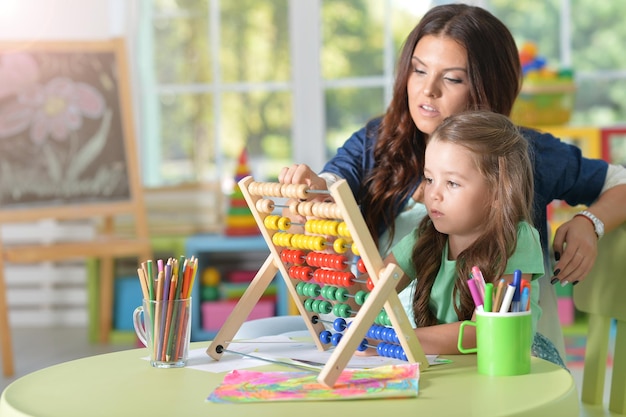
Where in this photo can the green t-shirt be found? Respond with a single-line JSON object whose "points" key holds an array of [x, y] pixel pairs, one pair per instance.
{"points": [[528, 258]]}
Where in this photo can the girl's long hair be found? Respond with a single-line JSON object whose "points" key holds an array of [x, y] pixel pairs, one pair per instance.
{"points": [[502, 158], [495, 77]]}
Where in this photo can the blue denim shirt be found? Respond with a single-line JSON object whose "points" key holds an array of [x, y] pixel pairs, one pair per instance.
{"points": [[560, 171]]}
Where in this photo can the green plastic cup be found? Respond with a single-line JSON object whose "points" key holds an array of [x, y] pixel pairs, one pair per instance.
{"points": [[503, 342]]}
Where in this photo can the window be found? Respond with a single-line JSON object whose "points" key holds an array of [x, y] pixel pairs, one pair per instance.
{"points": [[290, 80]]}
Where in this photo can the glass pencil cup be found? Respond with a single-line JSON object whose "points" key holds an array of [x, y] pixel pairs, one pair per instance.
{"points": [[164, 327]]}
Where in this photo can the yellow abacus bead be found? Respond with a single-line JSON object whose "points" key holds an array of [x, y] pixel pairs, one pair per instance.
{"points": [[308, 226], [316, 227], [298, 241], [284, 223], [330, 227], [340, 245], [319, 243], [355, 250], [342, 229], [271, 221]]}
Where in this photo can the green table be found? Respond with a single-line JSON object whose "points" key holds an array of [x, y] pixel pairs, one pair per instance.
{"points": [[122, 384]]}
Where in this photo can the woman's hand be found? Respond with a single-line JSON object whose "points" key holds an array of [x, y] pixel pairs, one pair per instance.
{"points": [[302, 174], [575, 250]]}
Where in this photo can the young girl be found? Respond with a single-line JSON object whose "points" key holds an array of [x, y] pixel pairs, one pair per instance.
{"points": [[478, 193]]}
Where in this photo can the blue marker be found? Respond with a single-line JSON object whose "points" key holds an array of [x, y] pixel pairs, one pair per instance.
{"points": [[524, 299], [517, 282]]}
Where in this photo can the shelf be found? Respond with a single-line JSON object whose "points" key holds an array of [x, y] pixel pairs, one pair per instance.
{"points": [[204, 245]]}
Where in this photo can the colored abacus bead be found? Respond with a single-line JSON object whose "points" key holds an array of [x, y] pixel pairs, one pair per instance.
{"points": [[336, 338], [325, 336], [360, 266]]}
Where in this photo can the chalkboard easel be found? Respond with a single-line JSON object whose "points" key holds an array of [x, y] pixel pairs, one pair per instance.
{"points": [[67, 152]]}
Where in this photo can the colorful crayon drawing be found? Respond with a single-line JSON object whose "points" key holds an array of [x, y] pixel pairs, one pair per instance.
{"points": [[392, 381]]}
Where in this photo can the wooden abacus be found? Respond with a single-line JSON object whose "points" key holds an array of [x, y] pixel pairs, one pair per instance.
{"points": [[304, 252]]}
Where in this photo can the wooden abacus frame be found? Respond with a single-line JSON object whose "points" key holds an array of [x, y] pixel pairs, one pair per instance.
{"points": [[385, 279]]}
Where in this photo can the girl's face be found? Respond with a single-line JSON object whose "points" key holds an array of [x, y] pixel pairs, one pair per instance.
{"points": [[438, 85], [456, 194]]}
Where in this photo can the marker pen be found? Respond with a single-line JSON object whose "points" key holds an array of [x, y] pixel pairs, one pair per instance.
{"points": [[508, 297], [478, 301], [517, 282]]}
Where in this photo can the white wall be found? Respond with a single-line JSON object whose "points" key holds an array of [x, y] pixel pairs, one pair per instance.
{"points": [[60, 19]]}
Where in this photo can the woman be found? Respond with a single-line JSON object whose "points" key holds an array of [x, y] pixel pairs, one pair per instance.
{"points": [[457, 58]]}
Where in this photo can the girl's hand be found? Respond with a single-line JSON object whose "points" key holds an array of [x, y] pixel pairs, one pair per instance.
{"points": [[575, 250]]}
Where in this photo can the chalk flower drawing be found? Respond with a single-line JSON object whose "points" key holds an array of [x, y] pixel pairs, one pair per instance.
{"points": [[43, 102], [54, 109]]}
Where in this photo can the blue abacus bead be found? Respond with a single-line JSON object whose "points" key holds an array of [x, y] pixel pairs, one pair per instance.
{"points": [[401, 354], [362, 345], [379, 349], [336, 339], [372, 332], [339, 324], [378, 333], [325, 337], [386, 334]]}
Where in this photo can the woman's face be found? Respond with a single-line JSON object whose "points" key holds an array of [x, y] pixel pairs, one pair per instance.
{"points": [[438, 85]]}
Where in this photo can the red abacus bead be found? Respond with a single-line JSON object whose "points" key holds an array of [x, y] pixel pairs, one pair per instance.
{"points": [[347, 279], [317, 275], [360, 266], [340, 262], [326, 260], [305, 273], [370, 284], [311, 258], [293, 272], [285, 256], [297, 256]]}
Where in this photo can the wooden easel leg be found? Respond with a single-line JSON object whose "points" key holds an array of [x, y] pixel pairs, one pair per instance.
{"points": [[106, 297], [243, 308], [5, 329]]}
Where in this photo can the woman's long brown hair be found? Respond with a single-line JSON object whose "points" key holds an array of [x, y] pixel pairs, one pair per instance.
{"points": [[502, 157], [495, 74]]}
